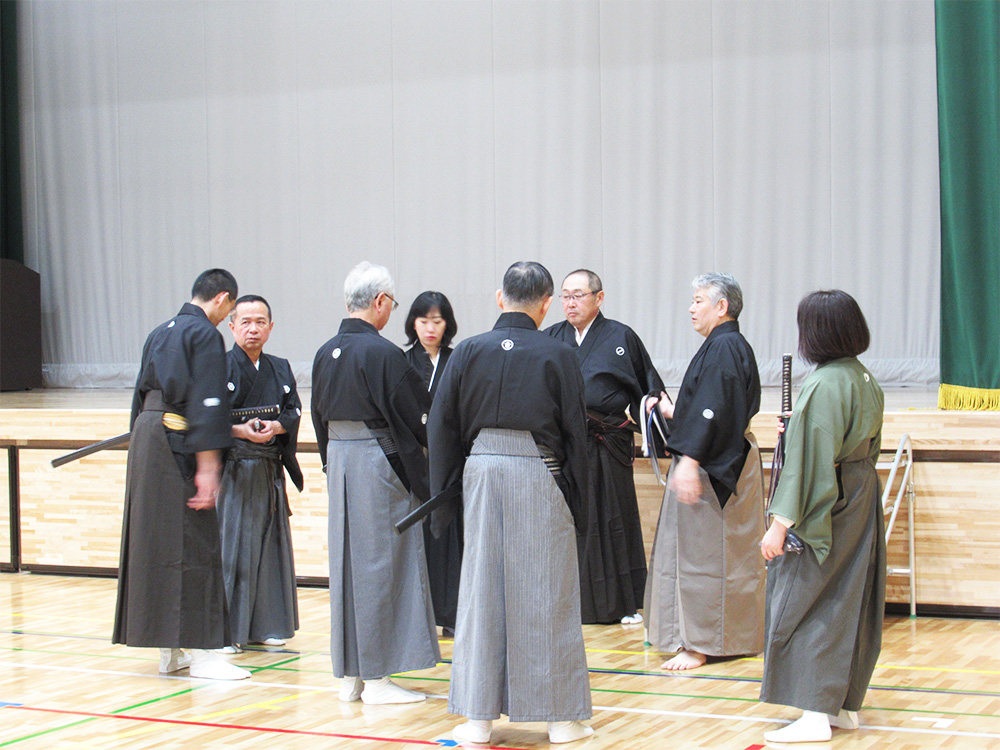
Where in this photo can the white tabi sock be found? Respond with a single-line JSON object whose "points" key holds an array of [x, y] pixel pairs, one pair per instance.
{"points": [[568, 731], [476, 731], [173, 660], [384, 690], [350, 688], [845, 719], [813, 726], [209, 666]]}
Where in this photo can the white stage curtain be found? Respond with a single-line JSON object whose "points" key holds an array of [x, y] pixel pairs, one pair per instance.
{"points": [[790, 142]]}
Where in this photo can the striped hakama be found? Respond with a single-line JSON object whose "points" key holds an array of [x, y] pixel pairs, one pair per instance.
{"points": [[381, 617], [257, 563], [706, 585], [518, 640], [824, 621]]}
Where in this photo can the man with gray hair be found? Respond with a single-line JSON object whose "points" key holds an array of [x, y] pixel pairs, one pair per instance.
{"points": [[508, 427], [705, 590], [369, 408]]}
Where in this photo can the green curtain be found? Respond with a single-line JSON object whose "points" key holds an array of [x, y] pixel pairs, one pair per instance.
{"points": [[968, 68]]}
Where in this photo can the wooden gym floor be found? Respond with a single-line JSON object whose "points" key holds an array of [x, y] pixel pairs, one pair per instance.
{"points": [[64, 685]]}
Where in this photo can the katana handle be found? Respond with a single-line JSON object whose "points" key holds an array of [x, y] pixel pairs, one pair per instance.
{"points": [[239, 416], [786, 383], [778, 457]]}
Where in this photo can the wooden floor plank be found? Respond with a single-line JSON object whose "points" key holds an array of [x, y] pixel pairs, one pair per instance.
{"points": [[937, 686]]}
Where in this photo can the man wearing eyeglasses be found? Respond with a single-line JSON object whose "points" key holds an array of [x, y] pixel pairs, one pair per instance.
{"points": [[617, 373], [369, 408]]}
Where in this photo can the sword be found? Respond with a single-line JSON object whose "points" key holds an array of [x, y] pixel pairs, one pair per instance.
{"points": [[654, 430], [238, 416], [452, 493], [792, 541]]}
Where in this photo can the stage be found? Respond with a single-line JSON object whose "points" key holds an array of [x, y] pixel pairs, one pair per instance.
{"points": [[65, 684], [69, 519]]}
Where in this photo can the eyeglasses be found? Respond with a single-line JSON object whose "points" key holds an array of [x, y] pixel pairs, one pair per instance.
{"points": [[394, 303], [576, 296]]}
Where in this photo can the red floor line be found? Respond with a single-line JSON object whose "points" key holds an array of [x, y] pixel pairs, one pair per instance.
{"points": [[276, 730]]}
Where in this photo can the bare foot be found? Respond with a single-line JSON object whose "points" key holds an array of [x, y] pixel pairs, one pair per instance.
{"points": [[684, 660]]}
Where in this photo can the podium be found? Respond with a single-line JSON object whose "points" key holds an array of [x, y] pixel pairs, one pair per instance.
{"points": [[20, 327]]}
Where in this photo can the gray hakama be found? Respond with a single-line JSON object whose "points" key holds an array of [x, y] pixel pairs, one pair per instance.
{"points": [[706, 585], [382, 620], [518, 641], [257, 563], [824, 621], [170, 590]]}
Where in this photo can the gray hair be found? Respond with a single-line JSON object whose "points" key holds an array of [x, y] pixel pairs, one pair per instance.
{"points": [[593, 280], [721, 286], [364, 283]]}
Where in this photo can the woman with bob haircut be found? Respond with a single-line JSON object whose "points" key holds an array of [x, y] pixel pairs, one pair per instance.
{"points": [[825, 604], [430, 327]]}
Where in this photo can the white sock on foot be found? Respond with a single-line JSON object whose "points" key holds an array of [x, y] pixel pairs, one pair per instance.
{"points": [[173, 660], [845, 719], [350, 688], [209, 666], [476, 731], [813, 726], [568, 731], [384, 690]]}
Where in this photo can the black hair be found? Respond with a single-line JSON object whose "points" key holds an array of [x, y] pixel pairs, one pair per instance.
{"points": [[831, 326], [423, 304], [252, 298], [212, 282], [527, 283]]}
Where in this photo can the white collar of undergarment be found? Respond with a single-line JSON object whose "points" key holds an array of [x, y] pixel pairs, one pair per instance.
{"points": [[434, 367], [581, 335]]}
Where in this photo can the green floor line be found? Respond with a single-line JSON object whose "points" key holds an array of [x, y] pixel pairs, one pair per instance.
{"points": [[277, 665], [47, 731], [155, 700], [733, 698]]}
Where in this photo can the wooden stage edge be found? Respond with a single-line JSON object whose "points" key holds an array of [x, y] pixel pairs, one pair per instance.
{"points": [[68, 520]]}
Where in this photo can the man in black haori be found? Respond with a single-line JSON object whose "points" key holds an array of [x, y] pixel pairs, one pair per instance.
{"points": [[170, 589], [369, 409], [508, 427], [257, 564], [705, 592], [617, 373]]}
